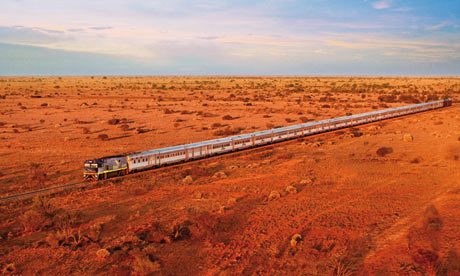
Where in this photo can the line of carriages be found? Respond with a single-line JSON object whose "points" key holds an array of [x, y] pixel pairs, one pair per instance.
{"points": [[120, 165]]}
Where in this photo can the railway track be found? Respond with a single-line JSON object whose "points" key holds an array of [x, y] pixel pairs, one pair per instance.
{"points": [[84, 184]]}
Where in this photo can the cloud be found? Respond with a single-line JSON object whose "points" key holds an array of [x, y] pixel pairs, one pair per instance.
{"points": [[403, 9], [75, 30], [382, 4], [211, 37], [29, 35], [101, 28], [438, 26]]}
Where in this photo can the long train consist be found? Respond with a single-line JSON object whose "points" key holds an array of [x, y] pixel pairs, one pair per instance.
{"points": [[110, 166]]}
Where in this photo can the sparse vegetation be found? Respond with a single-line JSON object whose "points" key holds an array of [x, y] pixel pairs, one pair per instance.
{"points": [[340, 211], [103, 137], [384, 151]]}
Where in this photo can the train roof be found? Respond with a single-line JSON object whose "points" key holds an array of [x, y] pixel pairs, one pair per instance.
{"points": [[269, 131]]}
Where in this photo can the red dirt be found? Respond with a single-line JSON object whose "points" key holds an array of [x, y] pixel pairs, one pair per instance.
{"points": [[311, 206]]}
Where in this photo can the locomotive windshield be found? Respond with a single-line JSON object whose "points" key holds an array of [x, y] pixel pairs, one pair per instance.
{"points": [[91, 165]]}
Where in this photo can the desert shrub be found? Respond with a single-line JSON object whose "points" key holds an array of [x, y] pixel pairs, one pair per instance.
{"points": [[39, 176], [286, 156], [384, 151], [304, 119], [450, 264], [227, 117], [45, 213], [431, 219], [168, 111], [340, 267], [113, 121], [428, 260], [144, 263], [81, 122], [289, 120], [387, 98], [33, 220], [181, 231], [325, 106], [408, 99], [62, 218], [228, 131], [124, 127], [85, 130], [216, 125], [415, 161], [45, 205], [355, 133], [56, 238], [44, 105], [197, 172], [67, 237], [103, 137], [140, 130], [9, 268], [270, 125], [432, 97], [453, 153], [103, 253]]}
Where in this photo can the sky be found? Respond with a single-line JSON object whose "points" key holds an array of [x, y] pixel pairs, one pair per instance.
{"points": [[229, 37]]}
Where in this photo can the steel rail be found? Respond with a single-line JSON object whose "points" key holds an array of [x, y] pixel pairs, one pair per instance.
{"points": [[55, 189]]}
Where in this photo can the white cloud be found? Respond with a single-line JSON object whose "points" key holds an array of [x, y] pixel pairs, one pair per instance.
{"points": [[438, 26], [382, 4]]}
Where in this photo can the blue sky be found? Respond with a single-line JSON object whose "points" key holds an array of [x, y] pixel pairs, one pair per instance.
{"points": [[203, 37]]}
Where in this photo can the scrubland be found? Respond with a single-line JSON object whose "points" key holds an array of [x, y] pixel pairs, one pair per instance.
{"points": [[378, 199]]}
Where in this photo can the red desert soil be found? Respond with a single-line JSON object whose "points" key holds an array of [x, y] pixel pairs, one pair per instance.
{"points": [[379, 199]]}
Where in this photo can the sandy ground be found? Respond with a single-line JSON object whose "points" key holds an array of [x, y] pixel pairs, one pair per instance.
{"points": [[379, 199]]}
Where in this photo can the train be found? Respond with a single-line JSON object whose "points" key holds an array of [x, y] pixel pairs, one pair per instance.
{"points": [[118, 165]]}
